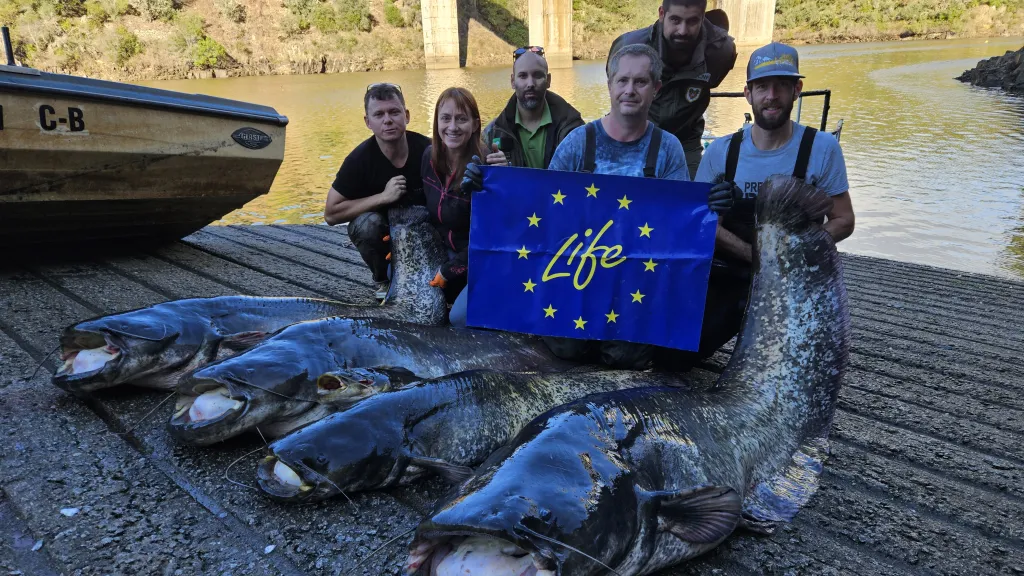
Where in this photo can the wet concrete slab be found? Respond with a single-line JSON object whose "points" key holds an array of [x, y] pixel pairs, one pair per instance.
{"points": [[926, 474]]}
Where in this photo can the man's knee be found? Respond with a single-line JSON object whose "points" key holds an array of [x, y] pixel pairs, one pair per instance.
{"points": [[367, 226], [457, 315]]}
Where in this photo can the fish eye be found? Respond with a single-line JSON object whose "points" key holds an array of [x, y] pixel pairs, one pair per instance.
{"points": [[321, 460]]}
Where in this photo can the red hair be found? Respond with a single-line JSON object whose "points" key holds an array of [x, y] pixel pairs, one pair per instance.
{"points": [[465, 102]]}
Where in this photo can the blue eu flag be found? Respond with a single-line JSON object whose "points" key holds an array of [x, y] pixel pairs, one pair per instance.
{"points": [[590, 256]]}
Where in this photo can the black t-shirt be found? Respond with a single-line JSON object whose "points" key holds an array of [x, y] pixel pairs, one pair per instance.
{"points": [[366, 171]]}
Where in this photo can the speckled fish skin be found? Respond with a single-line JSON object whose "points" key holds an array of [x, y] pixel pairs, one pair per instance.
{"points": [[646, 478], [160, 343], [269, 377], [433, 426]]}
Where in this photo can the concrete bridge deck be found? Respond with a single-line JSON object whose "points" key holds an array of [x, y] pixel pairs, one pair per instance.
{"points": [[927, 475]]}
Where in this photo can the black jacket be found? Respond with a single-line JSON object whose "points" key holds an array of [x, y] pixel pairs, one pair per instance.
{"points": [[449, 213], [564, 119]]}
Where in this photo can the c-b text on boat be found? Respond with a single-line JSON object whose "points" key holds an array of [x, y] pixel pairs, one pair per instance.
{"points": [[86, 160]]}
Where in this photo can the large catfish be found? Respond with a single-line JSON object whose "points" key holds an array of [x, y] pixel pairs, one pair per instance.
{"points": [[272, 382], [444, 426], [154, 346], [638, 480]]}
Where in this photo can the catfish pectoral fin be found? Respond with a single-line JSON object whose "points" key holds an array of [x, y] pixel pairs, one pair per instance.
{"points": [[243, 340], [451, 472], [704, 515]]}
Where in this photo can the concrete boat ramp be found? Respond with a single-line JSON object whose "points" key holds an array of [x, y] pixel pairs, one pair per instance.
{"points": [[926, 477]]}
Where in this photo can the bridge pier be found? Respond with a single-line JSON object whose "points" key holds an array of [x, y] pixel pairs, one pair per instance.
{"points": [[751, 22], [551, 27], [440, 33]]}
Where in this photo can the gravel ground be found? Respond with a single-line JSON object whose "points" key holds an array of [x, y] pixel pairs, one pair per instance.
{"points": [[925, 476]]}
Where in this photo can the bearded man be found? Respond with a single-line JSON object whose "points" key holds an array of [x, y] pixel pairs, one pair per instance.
{"points": [[535, 120], [740, 163], [696, 55]]}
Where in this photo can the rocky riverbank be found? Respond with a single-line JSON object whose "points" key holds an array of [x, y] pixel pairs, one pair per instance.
{"points": [[1006, 72]]}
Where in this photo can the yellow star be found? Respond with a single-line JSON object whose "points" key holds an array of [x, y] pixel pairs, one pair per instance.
{"points": [[612, 316], [558, 196], [592, 190], [522, 252], [529, 285], [638, 297], [534, 221], [580, 322], [624, 202], [649, 265], [645, 231], [549, 312]]}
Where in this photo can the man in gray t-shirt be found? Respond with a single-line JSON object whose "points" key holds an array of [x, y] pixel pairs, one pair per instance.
{"points": [[623, 158], [826, 167], [774, 144], [625, 143]]}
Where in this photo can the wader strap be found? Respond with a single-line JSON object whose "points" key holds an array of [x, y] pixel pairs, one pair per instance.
{"points": [[804, 156], [590, 150], [733, 157], [652, 153]]}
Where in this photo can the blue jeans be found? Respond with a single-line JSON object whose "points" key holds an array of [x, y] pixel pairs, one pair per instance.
{"points": [[457, 315]]}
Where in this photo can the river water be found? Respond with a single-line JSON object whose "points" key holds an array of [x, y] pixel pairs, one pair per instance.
{"points": [[936, 167]]}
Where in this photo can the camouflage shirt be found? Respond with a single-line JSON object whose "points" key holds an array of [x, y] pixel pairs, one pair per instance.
{"points": [[686, 91]]}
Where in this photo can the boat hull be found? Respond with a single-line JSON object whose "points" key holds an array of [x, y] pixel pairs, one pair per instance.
{"points": [[85, 162]]}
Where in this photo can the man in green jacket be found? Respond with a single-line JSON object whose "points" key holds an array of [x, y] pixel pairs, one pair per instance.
{"points": [[697, 56], [535, 120]]}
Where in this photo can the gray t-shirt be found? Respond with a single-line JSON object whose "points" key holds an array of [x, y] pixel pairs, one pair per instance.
{"points": [[826, 168], [622, 158]]}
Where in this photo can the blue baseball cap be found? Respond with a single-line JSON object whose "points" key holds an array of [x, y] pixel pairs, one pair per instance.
{"points": [[775, 59]]}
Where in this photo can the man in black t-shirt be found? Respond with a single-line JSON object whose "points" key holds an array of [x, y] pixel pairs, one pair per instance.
{"points": [[381, 172]]}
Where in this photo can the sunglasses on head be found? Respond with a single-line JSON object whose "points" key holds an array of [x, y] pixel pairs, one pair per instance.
{"points": [[384, 84], [538, 50]]}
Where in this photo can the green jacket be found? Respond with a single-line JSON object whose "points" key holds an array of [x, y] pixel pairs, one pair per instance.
{"points": [[685, 92], [564, 119]]}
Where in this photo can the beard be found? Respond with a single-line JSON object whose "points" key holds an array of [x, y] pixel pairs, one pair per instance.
{"points": [[682, 41], [773, 123], [530, 101]]}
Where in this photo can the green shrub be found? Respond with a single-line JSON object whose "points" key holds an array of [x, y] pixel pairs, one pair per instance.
{"points": [[393, 16], [325, 19], [302, 8], [69, 8], [207, 52], [190, 28], [96, 13], [158, 9], [126, 46], [354, 15]]}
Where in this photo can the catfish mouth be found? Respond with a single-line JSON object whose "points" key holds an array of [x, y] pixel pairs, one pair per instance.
{"points": [[90, 361], [209, 404], [474, 554], [343, 387], [286, 483]]}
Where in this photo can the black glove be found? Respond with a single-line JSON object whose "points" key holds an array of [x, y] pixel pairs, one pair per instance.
{"points": [[723, 196], [473, 178]]}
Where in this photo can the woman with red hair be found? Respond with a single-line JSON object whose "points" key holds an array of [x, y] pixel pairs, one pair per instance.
{"points": [[456, 142]]}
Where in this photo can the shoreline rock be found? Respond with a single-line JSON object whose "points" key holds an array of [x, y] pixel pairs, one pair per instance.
{"points": [[1006, 72]]}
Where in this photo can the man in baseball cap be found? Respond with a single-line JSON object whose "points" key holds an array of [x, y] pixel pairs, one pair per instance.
{"points": [[741, 162], [775, 59]]}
